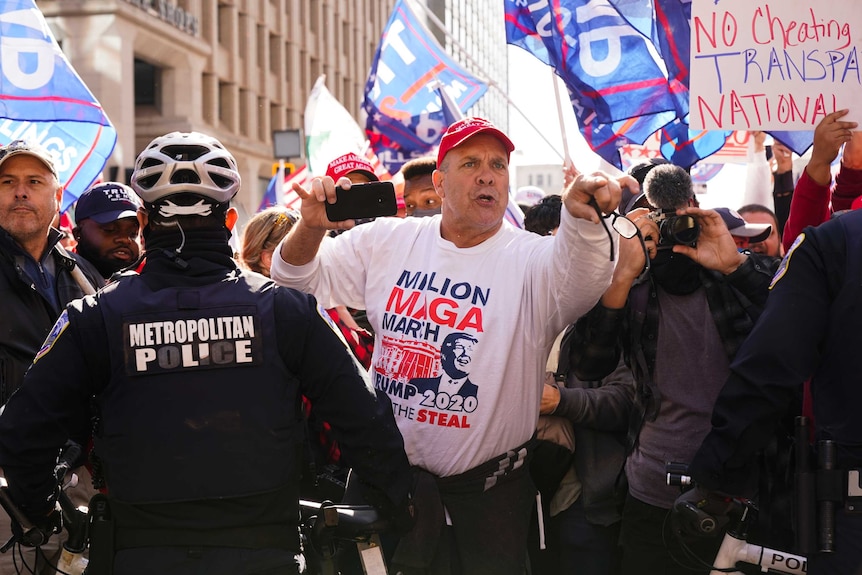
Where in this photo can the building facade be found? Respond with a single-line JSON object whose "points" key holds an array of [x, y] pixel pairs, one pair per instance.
{"points": [[549, 177], [235, 69]]}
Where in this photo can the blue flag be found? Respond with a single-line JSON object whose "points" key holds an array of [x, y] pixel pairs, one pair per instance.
{"points": [[684, 146], [611, 67], [798, 140], [274, 194], [451, 112], [404, 113], [43, 99]]}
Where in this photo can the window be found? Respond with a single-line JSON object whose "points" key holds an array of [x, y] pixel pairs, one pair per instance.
{"points": [[274, 53], [148, 84], [245, 110], [346, 39], [244, 37], [225, 25], [227, 105]]}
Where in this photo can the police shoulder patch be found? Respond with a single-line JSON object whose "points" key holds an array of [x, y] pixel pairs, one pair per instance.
{"points": [[324, 315], [785, 263], [59, 327]]}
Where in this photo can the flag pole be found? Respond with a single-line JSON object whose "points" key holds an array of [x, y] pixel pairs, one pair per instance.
{"points": [[280, 196], [487, 79], [567, 159]]}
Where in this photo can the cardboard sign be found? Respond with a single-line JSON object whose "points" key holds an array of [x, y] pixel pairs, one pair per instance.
{"points": [[780, 64]]}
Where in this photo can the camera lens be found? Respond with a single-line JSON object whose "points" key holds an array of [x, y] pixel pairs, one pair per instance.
{"points": [[683, 229]]}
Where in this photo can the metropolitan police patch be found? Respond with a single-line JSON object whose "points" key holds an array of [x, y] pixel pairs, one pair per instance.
{"points": [[222, 339], [59, 327], [785, 263]]}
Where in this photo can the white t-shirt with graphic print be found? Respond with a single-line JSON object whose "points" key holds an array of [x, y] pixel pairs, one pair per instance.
{"points": [[513, 293]]}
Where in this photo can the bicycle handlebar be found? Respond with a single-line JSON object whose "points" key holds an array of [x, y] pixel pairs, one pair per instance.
{"points": [[734, 547], [74, 519], [344, 522], [31, 536]]}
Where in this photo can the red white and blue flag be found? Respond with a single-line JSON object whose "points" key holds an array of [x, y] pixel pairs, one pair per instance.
{"points": [[284, 195], [404, 112], [43, 99]]}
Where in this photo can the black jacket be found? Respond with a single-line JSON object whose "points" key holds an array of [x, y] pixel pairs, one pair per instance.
{"points": [[599, 412], [810, 328], [27, 316], [603, 334]]}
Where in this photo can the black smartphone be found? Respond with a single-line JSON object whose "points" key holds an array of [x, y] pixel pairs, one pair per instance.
{"points": [[363, 201]]}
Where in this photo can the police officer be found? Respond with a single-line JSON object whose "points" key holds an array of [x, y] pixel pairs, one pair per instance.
{"points": [[809, 328], [197, 368]]}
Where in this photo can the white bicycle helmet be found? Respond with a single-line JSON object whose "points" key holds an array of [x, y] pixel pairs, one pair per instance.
{"points": [[185, 163]]}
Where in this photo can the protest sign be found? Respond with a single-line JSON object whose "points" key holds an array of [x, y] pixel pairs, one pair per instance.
{"points": [[780, 65]]}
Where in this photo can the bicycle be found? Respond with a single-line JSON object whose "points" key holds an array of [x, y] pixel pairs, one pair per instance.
{"points": [[325, 526], [734, 548], [75, 519]]}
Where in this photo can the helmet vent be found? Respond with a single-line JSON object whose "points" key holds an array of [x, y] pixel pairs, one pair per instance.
{"points": [[148, 182], [185, 177], [221, 163], [150, 162], [185, 152], [221, 181]]}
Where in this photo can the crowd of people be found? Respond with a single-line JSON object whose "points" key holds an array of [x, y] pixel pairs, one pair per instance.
{"points": [[508, 398]]}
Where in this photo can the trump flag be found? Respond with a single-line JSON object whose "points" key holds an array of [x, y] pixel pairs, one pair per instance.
{"points": [[43, 99], [404, 113]]}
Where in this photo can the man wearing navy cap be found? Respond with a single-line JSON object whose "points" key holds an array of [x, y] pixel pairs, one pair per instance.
{"points": [[463, 271], [744, 232], [107, 227]]}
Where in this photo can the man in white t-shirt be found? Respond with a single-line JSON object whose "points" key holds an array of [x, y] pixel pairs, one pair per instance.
{"points": [[463, 271]]}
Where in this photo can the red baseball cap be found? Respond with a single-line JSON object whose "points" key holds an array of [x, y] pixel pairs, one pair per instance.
{"points": [[462, 130], [349, 163]]}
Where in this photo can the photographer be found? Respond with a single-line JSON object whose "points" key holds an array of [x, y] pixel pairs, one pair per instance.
{"points": [[679, 319]]}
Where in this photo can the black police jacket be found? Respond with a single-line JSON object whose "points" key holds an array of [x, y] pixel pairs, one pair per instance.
{"points": [[197, 374], [809, 329]]}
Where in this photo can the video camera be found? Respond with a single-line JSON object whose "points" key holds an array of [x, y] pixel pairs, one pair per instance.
{"points": [[674, 229]]}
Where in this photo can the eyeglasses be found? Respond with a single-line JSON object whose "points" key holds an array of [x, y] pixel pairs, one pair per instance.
{"points": [[621, 224]]}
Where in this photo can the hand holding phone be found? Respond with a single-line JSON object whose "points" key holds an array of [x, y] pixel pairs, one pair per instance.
{"points": [[363, 201]]}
